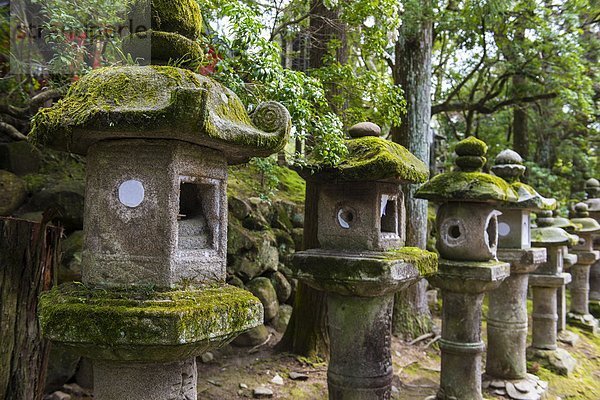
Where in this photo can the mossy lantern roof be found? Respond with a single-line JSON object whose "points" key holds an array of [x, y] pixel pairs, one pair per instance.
{"points": [[509, 166], [160, 102], [371, 158], [583, 220], [467, 183], [546, 234]]}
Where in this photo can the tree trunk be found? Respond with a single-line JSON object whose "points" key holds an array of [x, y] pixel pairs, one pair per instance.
{"points": [[28, 258], [520, 132], [413, 72], [328, 30], [306, 333]]}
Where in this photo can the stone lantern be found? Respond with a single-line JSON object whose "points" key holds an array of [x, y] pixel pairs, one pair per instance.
{"points": [[579, 314], [158, 140], [544, 283], [569, 259], [506, 366], [592, 189], [361, 261], [467, 240]]}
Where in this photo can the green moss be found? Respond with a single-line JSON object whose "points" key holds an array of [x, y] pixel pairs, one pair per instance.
{"points": [[166, 47], [529, 198], [586, 225], [425, 261], [106, 90], [179, 16], [467, 186], [368, 267], [244, 181], [373, 159], [470, 163], [552, 235], [75, 314], [471, 146]]}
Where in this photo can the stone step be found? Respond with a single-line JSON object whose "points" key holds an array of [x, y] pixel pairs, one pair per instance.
{"points": [[192, 226], [194, 242]]}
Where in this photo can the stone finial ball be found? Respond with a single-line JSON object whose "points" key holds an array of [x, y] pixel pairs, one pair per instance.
{"points": [[471, 154], [581, 210], [509, 156], [592, 187], [471, 146], [509, 165], [363, 129], [544, 218]]}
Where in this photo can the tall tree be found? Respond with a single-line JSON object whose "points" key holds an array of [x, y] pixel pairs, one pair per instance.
{"points": [[412, 71], [306, 333]]}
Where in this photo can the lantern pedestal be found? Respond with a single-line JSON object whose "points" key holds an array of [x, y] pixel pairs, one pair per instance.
{"points": [[463, 285]]}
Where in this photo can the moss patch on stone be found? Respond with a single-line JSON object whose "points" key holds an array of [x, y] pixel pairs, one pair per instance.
{"points": [[363, 273], [179, 16], [531, 199], [471, 146], [106, 92], [467, 186], [77, 315], [156, 102], [552, 235], [166, 47], [373, 159], [586, 225]]}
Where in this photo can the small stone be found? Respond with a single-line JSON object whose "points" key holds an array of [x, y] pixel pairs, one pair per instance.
{"points": [[280, 322], [497, 384], [59, 395], [568, 337], [297, 376], [243, 386], [395, 389], [524, 386], [515, 394], [543, 384], [500, 392], [74, 389], [277, 379], [12, 192], [207, 357], [263, 289], [253, 337], [262, 392], [364, 129], [533, 377], [281, 285]]}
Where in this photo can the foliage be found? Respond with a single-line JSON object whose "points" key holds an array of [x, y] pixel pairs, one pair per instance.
{"points": [[493, 57]]}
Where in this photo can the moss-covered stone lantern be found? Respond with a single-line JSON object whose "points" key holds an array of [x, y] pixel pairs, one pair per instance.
{"points": [[544, 283], [158, 140], [592, 189], [579, 314], [506, 365], [361, 261], [467, 239]]}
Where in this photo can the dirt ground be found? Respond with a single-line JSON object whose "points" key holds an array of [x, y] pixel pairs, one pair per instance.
{"points": [[234, 372]]}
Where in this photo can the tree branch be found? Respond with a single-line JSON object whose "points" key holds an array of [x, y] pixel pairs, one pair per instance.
{"points": [[11, 131], [483, 109]]}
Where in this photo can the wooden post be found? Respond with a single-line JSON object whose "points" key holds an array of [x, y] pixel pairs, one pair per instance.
{"points": [[28, 258]]}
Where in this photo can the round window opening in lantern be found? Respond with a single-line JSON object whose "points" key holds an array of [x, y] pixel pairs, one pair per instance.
{"points": [[455, 233], [131, 193], [346, 216], [491, 232]]}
